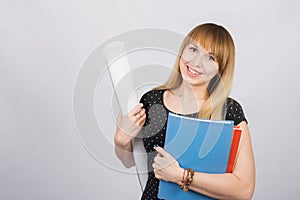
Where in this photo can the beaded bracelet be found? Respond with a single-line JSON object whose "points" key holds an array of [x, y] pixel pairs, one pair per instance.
{"points": [[188, 180], [182, 180]]}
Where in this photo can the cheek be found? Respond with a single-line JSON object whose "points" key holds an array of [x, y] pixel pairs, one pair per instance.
{"points": [[182, 64], [211, 68], [186, 55]]}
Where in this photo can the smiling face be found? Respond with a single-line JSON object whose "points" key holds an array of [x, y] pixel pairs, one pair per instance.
{"points": [[197, 65], [205, 63]]}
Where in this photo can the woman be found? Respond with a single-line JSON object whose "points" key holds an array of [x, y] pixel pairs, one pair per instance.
{"points": [[198, 87]]}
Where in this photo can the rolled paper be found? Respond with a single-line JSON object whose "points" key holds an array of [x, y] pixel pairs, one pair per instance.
{"points": [[122, 80], [120, 73]]}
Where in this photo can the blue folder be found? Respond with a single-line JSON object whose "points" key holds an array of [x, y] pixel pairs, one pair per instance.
{"points": [[203, 145]]}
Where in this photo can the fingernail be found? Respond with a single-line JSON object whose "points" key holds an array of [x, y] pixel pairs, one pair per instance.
{"points": [[155, 145]]}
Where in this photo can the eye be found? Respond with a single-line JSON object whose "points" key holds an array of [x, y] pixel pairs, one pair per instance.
{"points": [[193, 49], [211, 58]]}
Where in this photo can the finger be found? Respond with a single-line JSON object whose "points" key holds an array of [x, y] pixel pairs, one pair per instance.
{"points": [[154, 166], [143, 111], [141, 120], [161, 151], [141, 124], [157, 175], [156, 159], [140, 113], [137, 117], [136, 109]]}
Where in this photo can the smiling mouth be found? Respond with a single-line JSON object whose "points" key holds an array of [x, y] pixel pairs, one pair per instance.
{"points": [[193, 72]]}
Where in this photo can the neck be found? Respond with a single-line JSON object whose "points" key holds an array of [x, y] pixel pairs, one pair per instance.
{"points": [[190, 99], [195, 92]]}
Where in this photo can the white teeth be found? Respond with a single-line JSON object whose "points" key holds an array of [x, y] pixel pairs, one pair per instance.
{"points": [[193, 71]]}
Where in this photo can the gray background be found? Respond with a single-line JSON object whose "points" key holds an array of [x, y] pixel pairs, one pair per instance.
{"points": [[43, 45]]}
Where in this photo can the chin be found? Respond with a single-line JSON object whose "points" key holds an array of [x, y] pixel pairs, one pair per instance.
{"points": [[193, 82]]}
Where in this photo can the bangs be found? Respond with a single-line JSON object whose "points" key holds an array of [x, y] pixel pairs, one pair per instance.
{"points": [[203, 38]]}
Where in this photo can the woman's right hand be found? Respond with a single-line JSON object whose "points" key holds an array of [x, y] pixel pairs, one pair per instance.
{"points": [[129, 126]]}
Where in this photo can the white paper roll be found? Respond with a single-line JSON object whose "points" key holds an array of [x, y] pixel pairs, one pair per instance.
{"points": [[123, 83], [121, 76]]}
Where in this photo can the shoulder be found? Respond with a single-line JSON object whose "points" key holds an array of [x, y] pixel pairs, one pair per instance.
{"points": [[234, 111], [232, 103], [152, 97]]}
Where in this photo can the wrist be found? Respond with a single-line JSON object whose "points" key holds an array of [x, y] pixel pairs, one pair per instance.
{"points": [[180, 176], [187, 179], [122, 139]]}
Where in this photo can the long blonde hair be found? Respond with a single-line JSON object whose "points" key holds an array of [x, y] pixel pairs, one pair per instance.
{"points": [[218, 39]]}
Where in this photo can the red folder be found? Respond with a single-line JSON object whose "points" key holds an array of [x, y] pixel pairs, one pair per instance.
{"points": [[234, 148]]}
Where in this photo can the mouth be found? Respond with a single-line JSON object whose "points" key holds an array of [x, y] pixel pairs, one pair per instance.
{"points": [[192, 72]]}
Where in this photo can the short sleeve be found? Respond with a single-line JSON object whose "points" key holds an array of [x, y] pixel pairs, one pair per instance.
{"points": [[150, 98], [146, 99], [235, 112]]}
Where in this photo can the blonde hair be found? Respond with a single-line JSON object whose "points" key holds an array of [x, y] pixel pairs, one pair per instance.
{"points": [[221, 44]]}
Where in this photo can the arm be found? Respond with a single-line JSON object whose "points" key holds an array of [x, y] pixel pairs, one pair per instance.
{"points": [[127, 128], [236, 185], [123, 148]]}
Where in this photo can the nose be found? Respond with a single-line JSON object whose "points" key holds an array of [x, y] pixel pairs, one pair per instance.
{"points": [[197, 60]]}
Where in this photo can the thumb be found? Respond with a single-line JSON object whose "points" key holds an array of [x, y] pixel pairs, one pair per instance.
{"points": [[161, 151]]}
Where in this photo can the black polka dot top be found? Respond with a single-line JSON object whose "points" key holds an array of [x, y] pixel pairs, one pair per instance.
{"points": [[154, 131]]}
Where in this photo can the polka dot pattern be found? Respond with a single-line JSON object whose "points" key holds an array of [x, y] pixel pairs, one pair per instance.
{"points": [[154, 131]]}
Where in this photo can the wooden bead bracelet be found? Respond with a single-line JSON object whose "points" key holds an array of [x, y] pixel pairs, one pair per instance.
{"points": [[186, 182]]}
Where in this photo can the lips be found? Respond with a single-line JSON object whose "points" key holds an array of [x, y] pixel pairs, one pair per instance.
{"points": [[192, 72]]}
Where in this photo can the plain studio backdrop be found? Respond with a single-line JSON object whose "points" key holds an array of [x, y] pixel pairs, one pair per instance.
{"points": [[43, 45]]}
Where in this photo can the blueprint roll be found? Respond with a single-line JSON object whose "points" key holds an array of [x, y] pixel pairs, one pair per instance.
{"points": [[124, 87], [121, 77]]}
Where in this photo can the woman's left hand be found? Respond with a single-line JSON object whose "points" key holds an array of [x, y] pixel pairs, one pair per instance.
{"points": [[166, 167]]}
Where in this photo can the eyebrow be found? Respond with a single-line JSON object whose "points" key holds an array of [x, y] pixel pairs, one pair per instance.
{"points": [[203, 48], [195, 45]]}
